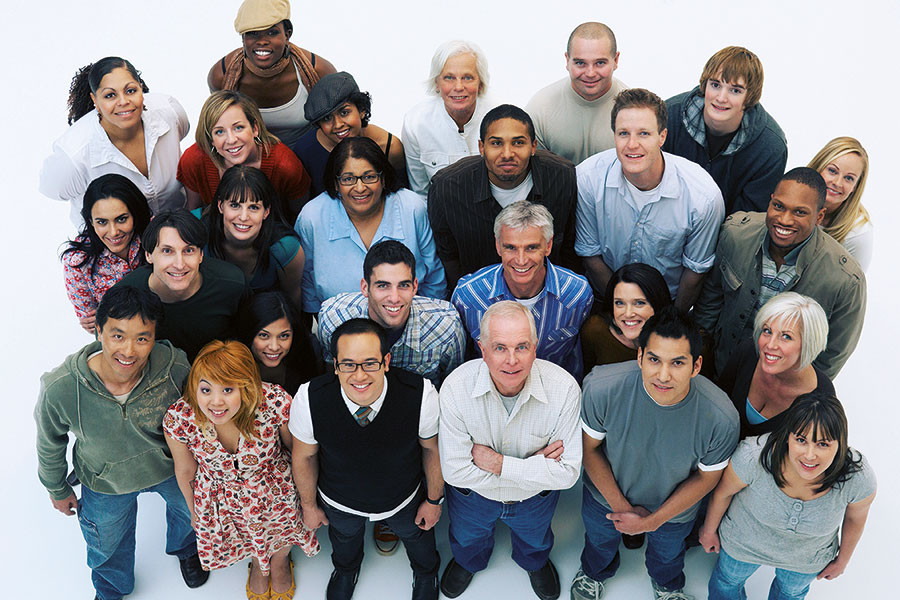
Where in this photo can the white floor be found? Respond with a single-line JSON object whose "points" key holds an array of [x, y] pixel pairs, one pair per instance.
{"points": [[830, 70]]}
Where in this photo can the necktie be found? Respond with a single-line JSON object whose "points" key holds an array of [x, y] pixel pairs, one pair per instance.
{"points": [[362, 415]]}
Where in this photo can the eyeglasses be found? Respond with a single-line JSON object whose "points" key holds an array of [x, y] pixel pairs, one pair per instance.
{"points": [[348, 180], [368, 366]]}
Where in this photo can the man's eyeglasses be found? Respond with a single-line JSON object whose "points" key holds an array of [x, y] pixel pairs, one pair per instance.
{"points": [[348, 180], [368, 366]]}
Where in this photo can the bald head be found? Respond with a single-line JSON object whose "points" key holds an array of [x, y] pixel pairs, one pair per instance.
{"points": [[593, 31]]}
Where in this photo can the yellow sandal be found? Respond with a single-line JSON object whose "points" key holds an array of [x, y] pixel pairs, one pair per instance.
{"points": [[289, 593], [251, 595]]}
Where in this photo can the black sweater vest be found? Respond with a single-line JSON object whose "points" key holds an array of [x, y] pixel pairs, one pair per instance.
{"points": [[375, 468]]}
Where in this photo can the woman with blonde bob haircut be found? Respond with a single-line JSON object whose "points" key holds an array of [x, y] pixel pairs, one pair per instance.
{"points": [[445, 127], [764, 375], [844, 165], [228, 436], [230, 132]]}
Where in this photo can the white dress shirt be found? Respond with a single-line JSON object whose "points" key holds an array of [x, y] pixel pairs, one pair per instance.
{"points": [[84, 153], [547, 410]]}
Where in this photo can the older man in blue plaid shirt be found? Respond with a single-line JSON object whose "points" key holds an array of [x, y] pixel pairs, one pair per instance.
{"points": [[558, 299]]}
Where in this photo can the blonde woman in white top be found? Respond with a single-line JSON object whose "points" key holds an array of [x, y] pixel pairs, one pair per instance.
{"points": [[844, 164]]}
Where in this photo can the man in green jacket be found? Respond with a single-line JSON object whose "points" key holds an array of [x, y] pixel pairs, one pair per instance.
{"points": [[762, 254], [112, 395]]}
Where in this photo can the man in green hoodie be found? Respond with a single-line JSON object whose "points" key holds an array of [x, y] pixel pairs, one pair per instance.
{"points": [[112, 395]]}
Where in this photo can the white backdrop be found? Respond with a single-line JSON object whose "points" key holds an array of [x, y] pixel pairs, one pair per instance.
{"points": [[830, 70]]}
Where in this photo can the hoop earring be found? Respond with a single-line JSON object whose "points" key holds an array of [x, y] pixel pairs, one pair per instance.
{"points": [[258, 141]]}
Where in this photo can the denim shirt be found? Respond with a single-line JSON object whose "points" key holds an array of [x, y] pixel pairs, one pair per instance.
{"points": [[335, 251]]}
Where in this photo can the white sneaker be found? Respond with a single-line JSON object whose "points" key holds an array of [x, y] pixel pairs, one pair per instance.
{"points": [[585, 588], [663, 594]]}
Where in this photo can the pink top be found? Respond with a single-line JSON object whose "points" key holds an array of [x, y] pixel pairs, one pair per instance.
{"points": [[86, 285]]}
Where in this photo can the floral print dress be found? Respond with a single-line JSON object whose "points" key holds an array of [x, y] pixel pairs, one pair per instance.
{"points": [[246, 503]]}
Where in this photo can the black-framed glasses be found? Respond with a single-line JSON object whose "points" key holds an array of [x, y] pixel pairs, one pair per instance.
{"points": [[369, 366], [348, 180]]}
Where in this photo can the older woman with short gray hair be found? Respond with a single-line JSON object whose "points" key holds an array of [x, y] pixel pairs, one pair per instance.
{"points": [[764, 375]]}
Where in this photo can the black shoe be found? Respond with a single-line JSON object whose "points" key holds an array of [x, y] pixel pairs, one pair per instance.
{"points": [[425, 588], [545, 582], [633, 542], [455, 579], [191, 571], [341, 585]]}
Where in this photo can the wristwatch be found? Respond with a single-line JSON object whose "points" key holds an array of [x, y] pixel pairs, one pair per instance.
{"points": [[437, 502]]}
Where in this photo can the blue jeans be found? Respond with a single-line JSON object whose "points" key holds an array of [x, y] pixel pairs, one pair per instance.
{"points": [[600, 559], [107, 524], [727, 581], [472, 520]]}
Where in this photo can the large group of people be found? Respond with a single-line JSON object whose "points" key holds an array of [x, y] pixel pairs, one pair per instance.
{"points": [[305, 321]]}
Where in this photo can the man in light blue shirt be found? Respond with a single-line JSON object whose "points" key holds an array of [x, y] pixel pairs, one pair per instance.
{"points": [[558, 299], [637, 203]]}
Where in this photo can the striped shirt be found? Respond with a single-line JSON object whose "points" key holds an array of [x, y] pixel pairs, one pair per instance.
{"points": [[775, 280], [433, 342], [560, 311]]}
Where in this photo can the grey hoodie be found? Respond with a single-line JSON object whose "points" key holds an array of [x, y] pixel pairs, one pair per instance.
{"points": [[119, 445]]}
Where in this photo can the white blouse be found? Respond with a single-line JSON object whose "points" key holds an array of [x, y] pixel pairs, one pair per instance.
{"points": [[84, 153], [860, 243]]}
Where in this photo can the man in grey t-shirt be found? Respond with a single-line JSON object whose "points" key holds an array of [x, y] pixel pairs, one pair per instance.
{"points": [[656, 436]]}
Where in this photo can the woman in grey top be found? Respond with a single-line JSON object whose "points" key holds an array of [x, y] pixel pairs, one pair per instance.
{"points": [[787, 494]]}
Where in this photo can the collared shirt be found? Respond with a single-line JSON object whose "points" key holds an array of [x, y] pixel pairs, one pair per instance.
{"points": [[559, 312], [84, 153], [335, 251], [462, 210], [432, 344], [775, 280], [432, 140], [301, 426], [86, 285], [546, 410], [676, 232]]}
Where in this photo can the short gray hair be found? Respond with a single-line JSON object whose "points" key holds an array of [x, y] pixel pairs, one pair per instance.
{"points": [[448, 50], [792, 308], [506, 308], [522, 215]]}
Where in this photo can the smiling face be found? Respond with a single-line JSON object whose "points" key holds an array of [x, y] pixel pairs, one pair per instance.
{"points": [[265, 47], [126, 344], [792, 215], [272, 343], [114, 225], [723, 104], [667, 368], [361, 199], [362, 387], [390, 293], [509, 352], [343, 123], [176, 267], [631, 309], [219, 402], [120, 99], [507, 150], [522, 253], [232, 137], [808, 459], [639, 146], [780, 345], [458, 85], [242, 220], [841, 175], [590, 64]]}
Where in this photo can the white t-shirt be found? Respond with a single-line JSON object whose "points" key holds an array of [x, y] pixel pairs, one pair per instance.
{"points": [[506, 197], [642, 198]]}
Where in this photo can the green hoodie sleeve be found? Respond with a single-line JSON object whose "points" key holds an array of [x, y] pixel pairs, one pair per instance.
{"points": [[52, 440]]}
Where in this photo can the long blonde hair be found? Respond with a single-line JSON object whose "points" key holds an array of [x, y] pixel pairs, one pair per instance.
{"points": [[851, 210], [217, 103], [229, 363]]}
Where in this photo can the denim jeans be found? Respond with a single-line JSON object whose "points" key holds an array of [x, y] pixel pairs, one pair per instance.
{"points": [[107, 524], [347, 534], [472, 520], [727, 581], [600, 559]]}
